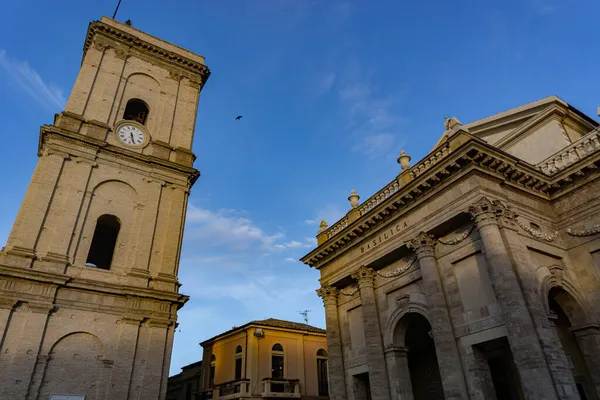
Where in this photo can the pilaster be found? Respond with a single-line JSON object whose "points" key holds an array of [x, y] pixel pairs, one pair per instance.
{"points": [[378, 376], [588, 337], [398, 372], [121, 371], [446, 349], [335, 361], [525, 346]]}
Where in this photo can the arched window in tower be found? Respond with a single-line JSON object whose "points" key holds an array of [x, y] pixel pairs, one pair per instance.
{"points": [[322, 376], [211, 371], [103, 242], [136, 110], [238, 362]]}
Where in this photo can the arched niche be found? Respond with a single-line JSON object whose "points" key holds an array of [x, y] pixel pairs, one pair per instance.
{"points": [[75, 365]]}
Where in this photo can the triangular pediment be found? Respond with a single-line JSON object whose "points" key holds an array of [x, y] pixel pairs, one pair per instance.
{"points": [[532, 132]]}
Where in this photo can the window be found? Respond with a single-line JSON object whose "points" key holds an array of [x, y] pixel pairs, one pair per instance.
{"points": [[136, 110], [322, 373], [277, 361], [238, 363], [103, 242], [211, 371]]}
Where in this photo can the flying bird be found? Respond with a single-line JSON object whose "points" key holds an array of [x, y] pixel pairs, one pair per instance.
{"points": [[238, 117]]}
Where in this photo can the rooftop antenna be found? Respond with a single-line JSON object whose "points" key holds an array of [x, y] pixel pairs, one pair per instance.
{"points": [[304, 313], [116, 9]]}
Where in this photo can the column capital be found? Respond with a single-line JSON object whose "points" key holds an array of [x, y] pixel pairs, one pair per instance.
{"points": [[483, 212], [329, 294], [492, 212], [364, 276], [423, 245]]}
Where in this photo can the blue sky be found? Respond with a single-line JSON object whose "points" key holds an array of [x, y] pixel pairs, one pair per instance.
{"points": [[330, 91]]}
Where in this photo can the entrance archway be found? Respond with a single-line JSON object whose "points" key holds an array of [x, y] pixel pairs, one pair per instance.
{"points": [[413, 332], [569, 314]]}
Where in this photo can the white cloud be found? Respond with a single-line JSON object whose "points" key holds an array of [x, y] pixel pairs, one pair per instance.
{"points": [[27, 78], [290, 259], [372, 117], [315, 221], [227, 227]]}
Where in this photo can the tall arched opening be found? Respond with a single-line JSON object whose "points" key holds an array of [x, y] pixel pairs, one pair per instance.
{"points": [[413, 333], [567, 315]]}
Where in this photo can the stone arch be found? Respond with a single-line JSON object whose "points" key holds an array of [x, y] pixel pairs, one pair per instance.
{"points": [[75, 365], [555, 278], [144, 87], [414, 368], [407, 303]]}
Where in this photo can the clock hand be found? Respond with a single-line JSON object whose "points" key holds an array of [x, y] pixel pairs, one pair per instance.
{"points": [[131, 134]]}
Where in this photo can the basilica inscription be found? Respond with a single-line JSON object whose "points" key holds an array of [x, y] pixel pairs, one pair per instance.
{"points": [[383, 237]]}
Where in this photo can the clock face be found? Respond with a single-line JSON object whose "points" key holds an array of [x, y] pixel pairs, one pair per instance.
{"points": [[131, 135]]}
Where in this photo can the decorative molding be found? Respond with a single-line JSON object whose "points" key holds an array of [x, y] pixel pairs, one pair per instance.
{"points": [[144, 48], [458, 238], [397, 271], [546, 237], [403, 301], [479, 326], [586, 232], [468, 153]]}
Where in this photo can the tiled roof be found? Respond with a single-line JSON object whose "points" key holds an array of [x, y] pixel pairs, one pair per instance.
{"points": [[279, 323], [274, 323]]}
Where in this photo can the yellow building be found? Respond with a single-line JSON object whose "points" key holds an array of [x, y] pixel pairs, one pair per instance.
{"points": [[266, 359]]}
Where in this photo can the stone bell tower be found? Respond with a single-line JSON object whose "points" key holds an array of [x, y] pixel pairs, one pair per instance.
{"points": [[88, 277]]}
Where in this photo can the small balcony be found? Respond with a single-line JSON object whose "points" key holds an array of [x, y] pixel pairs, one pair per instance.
{"points": [[281, 388], [232, 390]]}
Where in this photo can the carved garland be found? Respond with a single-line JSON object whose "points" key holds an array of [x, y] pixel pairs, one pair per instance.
{"points": [[350, 292], [546, 237], [398, 271], [458, 238], [586, 232]]}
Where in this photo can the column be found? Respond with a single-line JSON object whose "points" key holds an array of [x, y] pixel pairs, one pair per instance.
{"points": [[524, 344], [337, 373], [398, 372], [378, 378], [446, 349], [588, 338], [555, 356]]}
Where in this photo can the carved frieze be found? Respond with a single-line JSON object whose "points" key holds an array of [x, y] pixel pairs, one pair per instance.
{"points": [[479, 326], [586, 232], [458, 238], [536, 233], [351, 291]]}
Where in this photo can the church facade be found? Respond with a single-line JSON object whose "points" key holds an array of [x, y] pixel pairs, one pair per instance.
{"points": [[88, 277], [475, 273]]}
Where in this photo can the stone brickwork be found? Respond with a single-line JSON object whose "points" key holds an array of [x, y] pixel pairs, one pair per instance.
{"points": [[494, 258], [69, 326]]}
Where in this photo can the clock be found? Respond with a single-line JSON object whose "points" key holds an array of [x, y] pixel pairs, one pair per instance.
{"points": [[131, 135]]}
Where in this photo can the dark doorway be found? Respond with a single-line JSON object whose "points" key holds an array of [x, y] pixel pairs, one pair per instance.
{"points": [[507, 384], [422, 360], [362, 387]]}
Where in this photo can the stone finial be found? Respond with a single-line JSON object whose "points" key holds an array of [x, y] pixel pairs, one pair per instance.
{"points": [[322, 226], [404, 160], [353, 198], [450, 123]]}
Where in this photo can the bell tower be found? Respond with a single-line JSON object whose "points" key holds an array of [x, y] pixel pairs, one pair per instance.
{"points": [[88, 277]]}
